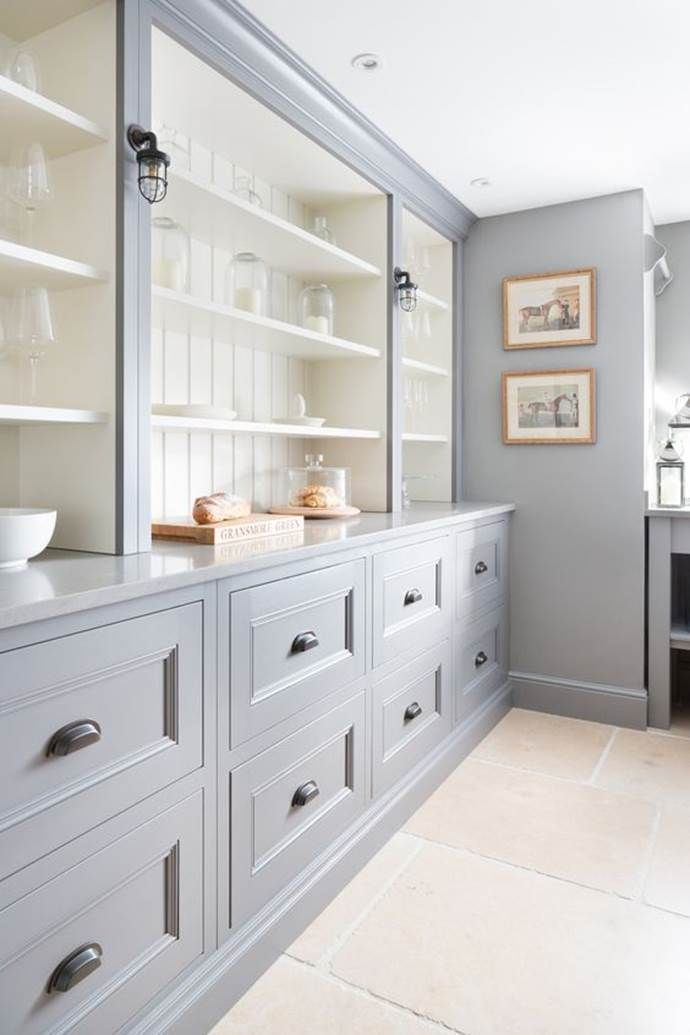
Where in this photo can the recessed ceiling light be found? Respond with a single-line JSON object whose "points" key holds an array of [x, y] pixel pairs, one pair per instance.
{"points": [[367, 62], [480, 181]]}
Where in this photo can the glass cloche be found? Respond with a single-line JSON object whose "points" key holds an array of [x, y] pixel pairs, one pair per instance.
{"points": [[314, 486]]}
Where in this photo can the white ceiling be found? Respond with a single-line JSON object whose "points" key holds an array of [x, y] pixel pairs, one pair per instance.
{"points": [[550, 102]]}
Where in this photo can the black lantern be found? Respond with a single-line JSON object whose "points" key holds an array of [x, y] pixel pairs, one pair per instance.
{"points": [[407, 290], [153, 164]]}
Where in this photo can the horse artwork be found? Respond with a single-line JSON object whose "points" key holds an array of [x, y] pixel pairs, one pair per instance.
{"points": [[549, 309], [548, 407]]}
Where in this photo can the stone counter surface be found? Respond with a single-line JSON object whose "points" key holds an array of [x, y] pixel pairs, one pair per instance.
{"points": [[61, 582]]}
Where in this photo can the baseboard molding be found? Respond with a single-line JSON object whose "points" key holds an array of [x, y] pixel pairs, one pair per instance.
{"points": [[207, 993], [615, 705]]}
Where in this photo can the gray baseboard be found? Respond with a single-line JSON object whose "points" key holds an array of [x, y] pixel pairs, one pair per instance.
{"points": [[208, 992], [615, 705]]}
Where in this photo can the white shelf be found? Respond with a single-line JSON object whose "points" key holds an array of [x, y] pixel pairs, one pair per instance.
{"points": [[184, 313], [424, 368], [27, 116], [245, 427], [219, 217], [411, 436], [20, 266], [431, 301], [20, 416]]}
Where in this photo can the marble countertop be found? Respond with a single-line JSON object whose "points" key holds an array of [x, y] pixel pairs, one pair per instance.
{"points": [[60, 582]]}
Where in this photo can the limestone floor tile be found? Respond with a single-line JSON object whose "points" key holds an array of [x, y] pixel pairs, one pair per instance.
{"points": [[546, 744], [570, 830], [668, 883], [648, 765], [337, 918], [489, 949], [294, 999]]}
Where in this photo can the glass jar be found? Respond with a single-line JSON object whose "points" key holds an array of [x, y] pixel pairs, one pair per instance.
{"points": [[322, 229], [170, 250], [314, 486], [316, 308], [246, 284]]}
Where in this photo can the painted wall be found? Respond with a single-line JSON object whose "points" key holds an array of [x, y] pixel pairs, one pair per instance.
{"points": [[673, 327], [577, 569]]}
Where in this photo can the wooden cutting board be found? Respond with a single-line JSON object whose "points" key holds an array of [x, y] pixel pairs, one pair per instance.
{"points": [[318, 512], [255, 526]]}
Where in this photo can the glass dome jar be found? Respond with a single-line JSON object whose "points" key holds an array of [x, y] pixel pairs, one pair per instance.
{"points": [[246, 284], [177, 146], [314, 486], [170, 251], [316, 308]]}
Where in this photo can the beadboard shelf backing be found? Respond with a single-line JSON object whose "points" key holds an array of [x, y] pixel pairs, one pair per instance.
{"points": [[27, 116], [243, 427], [219, 217], [181, 313], [26, 416], [22, 266]]}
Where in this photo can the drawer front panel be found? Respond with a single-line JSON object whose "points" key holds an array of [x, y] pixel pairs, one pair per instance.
{"points": [[482, 567], [292, 643], [482, 662], [410, 598], [290, 802], [118, 706], [412, 714], [87, 950]]}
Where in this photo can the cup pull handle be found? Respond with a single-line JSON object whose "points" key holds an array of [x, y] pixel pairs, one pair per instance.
{"points": [[480, 659], [305, 641], [304, 794], [413, 596], [73, 737], [75, 967], [480, 567], [412, 711]]}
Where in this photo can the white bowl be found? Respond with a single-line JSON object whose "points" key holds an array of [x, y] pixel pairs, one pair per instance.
{"points": [[24, 532]]}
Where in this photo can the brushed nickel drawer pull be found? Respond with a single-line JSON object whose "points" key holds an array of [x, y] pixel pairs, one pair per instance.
{"points": [[480, 659], [412, 711], [75, 967], [305, 641], [304, 794], [73, 737], [413, 596], [480, 567]]}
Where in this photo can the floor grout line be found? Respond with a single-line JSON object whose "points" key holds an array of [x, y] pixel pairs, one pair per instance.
{"points": [[648, 858], [603, 757], [521, 769]]}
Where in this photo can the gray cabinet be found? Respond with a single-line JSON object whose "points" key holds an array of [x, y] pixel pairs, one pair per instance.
{"points": [[482, 570], [481, 661]]}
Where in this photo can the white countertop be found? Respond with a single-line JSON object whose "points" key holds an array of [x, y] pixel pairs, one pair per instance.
{"points": [[61, 582], [676, 512]]}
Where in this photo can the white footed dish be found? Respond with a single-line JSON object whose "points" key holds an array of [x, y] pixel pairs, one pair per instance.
{"points": [[24, 532]]}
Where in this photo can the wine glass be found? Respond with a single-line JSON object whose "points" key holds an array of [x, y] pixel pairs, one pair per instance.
{"points": [[29, 183], [32, 328], [23, 69]]}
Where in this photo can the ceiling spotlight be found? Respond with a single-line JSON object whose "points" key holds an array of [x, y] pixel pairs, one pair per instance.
{"points": [[480, 181], [367, 62]]}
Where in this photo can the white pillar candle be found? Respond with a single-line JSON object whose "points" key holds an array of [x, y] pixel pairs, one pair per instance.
{"points": [[320, 324], [249, 299]]}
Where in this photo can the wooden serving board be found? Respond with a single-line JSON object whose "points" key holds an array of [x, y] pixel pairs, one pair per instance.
{"points": [[255, 526], [318, 512]]}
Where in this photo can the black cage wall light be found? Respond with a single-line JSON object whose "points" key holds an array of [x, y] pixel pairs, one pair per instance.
{"points": [[407, 290], [153, 164]]}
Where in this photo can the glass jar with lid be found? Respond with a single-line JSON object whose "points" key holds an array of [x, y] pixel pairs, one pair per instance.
{"points": [[246, 284], [316, 308], [314, 486], [170, 251]]}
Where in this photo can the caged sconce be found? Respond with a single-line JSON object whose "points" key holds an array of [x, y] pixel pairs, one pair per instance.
{"points": [[153, 164], [407, 290]]}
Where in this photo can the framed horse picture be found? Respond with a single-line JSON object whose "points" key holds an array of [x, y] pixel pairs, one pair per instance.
{"points": [[549, 407], [545, 310]]}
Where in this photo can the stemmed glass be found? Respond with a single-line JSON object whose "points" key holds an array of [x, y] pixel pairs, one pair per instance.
{"points": [[31, 328], [29, 182], [23, 69]]}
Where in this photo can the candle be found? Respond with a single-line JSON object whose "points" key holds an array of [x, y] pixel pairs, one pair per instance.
{"points": [[320, 324], [169, 273], [250, 299]]}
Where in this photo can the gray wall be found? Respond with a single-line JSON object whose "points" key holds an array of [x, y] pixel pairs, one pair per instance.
{"points": [[673, 326], [577, 590]]}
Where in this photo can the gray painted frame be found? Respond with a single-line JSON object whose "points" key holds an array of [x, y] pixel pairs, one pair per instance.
{"points": [[230, 39]]}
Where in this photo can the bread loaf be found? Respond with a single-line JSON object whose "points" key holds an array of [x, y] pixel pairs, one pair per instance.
{"points": [[321, 497], [221, 506]]}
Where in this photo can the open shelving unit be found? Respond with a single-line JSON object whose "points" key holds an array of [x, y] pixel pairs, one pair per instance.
{"points": [[21, 265], [26, 116], [270, 428]]}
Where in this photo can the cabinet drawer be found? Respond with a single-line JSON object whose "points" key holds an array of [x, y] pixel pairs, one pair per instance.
{"points": [[136, 903], [410, 598], [290, 802], [292, 643], [94, 722], [482, 567], [482, 661], [412, 713]]}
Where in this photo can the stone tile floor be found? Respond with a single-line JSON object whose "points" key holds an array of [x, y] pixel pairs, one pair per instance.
{"points": [[544, 889]]}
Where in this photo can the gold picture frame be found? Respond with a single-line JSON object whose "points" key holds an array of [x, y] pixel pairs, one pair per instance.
{"points": [[549, 407], [550, 310]]}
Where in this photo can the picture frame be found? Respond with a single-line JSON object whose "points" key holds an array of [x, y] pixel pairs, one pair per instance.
{"points": [[549, 407], [550, 310]]}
